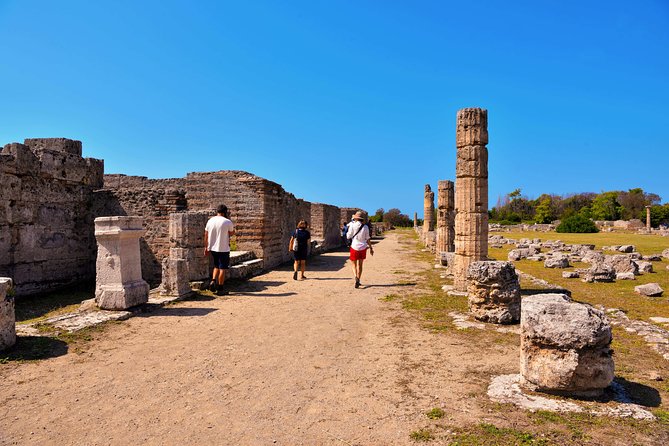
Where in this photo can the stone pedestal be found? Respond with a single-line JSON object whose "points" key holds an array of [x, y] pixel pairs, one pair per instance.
{"points": [[471, 192], [187, 242], [445, 218], [175, 278], [564, 346], [494, 292], [7, 315], [118, 281]]}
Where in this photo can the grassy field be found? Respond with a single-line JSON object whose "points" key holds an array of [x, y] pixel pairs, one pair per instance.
{"points": [[619, 294], [636, 362]]}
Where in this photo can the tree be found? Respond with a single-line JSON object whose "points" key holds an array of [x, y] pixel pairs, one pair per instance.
{"points": [[605, 206], [544, 212], [634, 202], [576, 223], [396, 218], [377, 217]]}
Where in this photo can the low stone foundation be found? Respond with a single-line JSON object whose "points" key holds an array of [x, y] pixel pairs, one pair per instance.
{"points": [[494, 292]]}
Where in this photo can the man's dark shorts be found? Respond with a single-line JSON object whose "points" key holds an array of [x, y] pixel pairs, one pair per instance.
{"points": [[221, 259]]}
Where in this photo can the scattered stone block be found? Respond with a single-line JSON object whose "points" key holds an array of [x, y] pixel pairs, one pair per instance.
{"points": [[118, 282], [649, 289], [622, 263], [593, 257], [494, 292], [644, 267], [570, 274], [565, 346], [652, 258], [665, 253], [625, 276], [626, 248], [518, 254], [7, 314], [557, 261], [600, 272], [175, 278]]}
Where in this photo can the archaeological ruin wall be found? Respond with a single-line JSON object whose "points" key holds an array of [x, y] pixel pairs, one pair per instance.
{"points": [[46, 224], [325, 224]]}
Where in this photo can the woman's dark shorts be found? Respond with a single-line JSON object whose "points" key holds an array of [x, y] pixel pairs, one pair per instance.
{"points": [[300, 255], [221, 259]]}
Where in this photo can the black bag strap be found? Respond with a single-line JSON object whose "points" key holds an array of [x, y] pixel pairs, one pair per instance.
{"points": [[358, 231]]}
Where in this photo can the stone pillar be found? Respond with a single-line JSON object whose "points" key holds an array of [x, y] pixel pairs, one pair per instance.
{"points": [[648, 218], [118, 280], [187, 242], [471, 193], [494, 292], [7, 315], [445, 218], [565, 346], [428, 211], [415, 221]]}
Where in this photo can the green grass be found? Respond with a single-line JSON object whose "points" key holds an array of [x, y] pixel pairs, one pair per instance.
{"points": [[435, 413], [41, 306], [421, 435], [489, 434]]}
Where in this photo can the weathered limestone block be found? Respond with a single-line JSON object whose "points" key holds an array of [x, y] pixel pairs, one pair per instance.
{"points": [[665, 253], [118, 282], [7, 315], [649, 289], [593, 257], [627, 248], [564, 346], [600, 272], [494, 292], [186, 231], [622, 263], [644, 267], [571, 274], [557, 261], [175, 278], [625, 276], [518, 254], [428, 210]]}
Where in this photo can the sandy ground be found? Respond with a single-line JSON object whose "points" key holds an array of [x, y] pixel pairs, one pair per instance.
{"points": [[277, 362]]}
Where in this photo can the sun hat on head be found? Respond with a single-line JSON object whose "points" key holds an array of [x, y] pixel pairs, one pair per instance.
{"points": [[358, 216]]}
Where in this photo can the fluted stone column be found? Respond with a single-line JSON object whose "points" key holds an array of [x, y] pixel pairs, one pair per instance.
{"points": [[7, 315], [415, 220], [118, 276], [471, 192], [428, 211], [648, 218], [445, 217]]}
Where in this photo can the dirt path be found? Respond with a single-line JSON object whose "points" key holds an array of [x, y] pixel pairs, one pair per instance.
{"points": [[277, 362]]}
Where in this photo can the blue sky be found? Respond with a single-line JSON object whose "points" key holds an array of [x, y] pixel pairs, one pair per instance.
{"points": [[347, 102]]}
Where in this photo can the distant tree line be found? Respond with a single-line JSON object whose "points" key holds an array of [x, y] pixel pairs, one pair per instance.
{"points": [[394, 216], [612, 205]]}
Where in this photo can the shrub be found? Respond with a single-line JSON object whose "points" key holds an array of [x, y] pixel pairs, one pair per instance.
{"points": [[577, 223]]}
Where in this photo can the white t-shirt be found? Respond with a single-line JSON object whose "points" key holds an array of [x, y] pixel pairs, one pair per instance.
{"points": [[359, 242], [219, 228]]}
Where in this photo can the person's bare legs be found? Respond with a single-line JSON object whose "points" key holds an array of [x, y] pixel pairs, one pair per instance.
{"points": [[296, 267], [354, 264], [360, 262], [303, 267]]}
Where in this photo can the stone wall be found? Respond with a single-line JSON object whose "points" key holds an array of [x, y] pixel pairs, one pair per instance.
{"points": [[46, 224], [325, 224]]}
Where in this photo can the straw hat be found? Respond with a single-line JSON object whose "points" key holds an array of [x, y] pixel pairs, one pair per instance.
{"points": [[358, 216]]}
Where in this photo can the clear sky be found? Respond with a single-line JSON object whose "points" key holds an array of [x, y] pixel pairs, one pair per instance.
{"points": [[351, 103]]}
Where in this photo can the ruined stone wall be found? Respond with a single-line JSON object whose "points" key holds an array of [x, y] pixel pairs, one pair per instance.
{"points": [[325, 224], [346, 213], [46, 227]]}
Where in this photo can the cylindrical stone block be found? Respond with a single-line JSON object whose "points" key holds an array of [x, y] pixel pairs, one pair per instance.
{"points": [[494, 292], [445, 218], [475, 200], [472, 127], [428, 211]]}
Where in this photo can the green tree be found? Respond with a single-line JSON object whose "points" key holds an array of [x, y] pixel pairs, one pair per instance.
{"points": [[544, 211], [377, 217], [576, 223], [605, 206]]}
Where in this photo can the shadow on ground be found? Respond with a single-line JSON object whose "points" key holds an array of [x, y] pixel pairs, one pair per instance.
{"points": [[30, 307], [533, 291], [150, 310], [30, 348]]}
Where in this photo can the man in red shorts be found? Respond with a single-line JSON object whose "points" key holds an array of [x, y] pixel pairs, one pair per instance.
{"points": [[358, 235]]}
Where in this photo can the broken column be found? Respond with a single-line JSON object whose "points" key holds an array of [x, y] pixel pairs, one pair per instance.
{"points": [[7, 315], [428, 212], [118, 279], [415, 221], [648, 218], [471, 192], [445, 218], [564, 346], [494, 292]]}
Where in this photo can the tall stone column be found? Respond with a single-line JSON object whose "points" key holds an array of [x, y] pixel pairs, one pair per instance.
{"points": [[118, 279], [428, 211], [648, 218], [445, 217], [415, 220], [471, 192], [7, 315]]}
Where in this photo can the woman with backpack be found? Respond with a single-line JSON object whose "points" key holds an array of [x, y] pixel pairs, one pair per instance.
{"points": [[299, 245]]}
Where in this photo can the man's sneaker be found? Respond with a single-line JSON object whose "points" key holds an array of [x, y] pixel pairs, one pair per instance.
{"points": [[357, 283], [220, 291], [295, 275], [212, 286]]}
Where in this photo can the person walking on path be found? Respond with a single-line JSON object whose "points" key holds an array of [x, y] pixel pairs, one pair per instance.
{"points": [[217, 235], [299, 245], [358, 234]]}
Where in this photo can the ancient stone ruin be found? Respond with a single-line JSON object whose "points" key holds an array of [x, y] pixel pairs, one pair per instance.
{"points": [[428, 216], [50, 196], [118, 279], [494, 292], [471, 192], [564, 346], [445, 217], [7, 315]]}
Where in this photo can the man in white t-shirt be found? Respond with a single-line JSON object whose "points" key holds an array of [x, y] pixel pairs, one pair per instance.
{"points": [[217, 235], [358, 233]]}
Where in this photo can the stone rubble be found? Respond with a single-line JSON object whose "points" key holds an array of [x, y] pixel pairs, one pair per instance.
{"points": [[494, 292], [656, 337], [649, 289]]}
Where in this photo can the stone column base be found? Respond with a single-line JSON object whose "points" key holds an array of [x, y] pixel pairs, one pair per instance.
{"points": [[122, 297]]}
